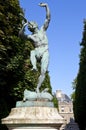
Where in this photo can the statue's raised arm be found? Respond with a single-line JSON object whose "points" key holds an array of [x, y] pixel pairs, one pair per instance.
{"points": [[48, 15], [21, 32]]}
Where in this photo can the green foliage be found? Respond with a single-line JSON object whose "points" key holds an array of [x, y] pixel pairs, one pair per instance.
{"points": [[55, 101], [3, 112], [74, 88], [10, 53], [73, 96], [80, 91]]}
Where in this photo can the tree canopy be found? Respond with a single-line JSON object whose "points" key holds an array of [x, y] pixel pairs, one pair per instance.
{"points": [[80, 89]]}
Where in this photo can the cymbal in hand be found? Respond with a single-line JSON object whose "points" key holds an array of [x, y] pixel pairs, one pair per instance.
{"points": [[42, 4]]}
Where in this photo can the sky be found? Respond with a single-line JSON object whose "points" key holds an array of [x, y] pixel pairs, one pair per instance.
{"points": [[64, 34]]}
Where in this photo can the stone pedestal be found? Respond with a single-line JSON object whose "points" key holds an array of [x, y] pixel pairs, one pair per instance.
{"points": [[29, 118]]}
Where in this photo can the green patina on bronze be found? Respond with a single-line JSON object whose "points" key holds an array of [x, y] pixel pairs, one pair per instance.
{"points": [[40, 42]]}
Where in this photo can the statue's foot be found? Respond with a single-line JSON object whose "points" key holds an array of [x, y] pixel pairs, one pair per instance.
{"points": [[34, 69]]}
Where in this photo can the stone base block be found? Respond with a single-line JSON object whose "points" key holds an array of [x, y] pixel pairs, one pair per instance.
{"points": [[24, 118]]}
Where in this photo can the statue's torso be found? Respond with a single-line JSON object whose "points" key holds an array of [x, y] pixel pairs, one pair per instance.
{"points": [[39, 38]]}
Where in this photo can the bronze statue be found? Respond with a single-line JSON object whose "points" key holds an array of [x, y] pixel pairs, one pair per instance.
{"points": [[40, 42]]}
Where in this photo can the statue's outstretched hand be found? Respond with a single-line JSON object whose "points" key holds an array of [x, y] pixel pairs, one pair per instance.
{"points": [[42, 4], [25, 24]]}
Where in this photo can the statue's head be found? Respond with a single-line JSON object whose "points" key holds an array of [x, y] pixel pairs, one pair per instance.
{"points": [[32, 26]]}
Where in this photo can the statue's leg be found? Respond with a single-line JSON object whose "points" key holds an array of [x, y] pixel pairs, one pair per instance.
{"points": [[40, 80], [33, 59], [44, 67]]}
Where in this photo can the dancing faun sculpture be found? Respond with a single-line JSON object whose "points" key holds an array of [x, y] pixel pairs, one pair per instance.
{"points": [[40, 42]]}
